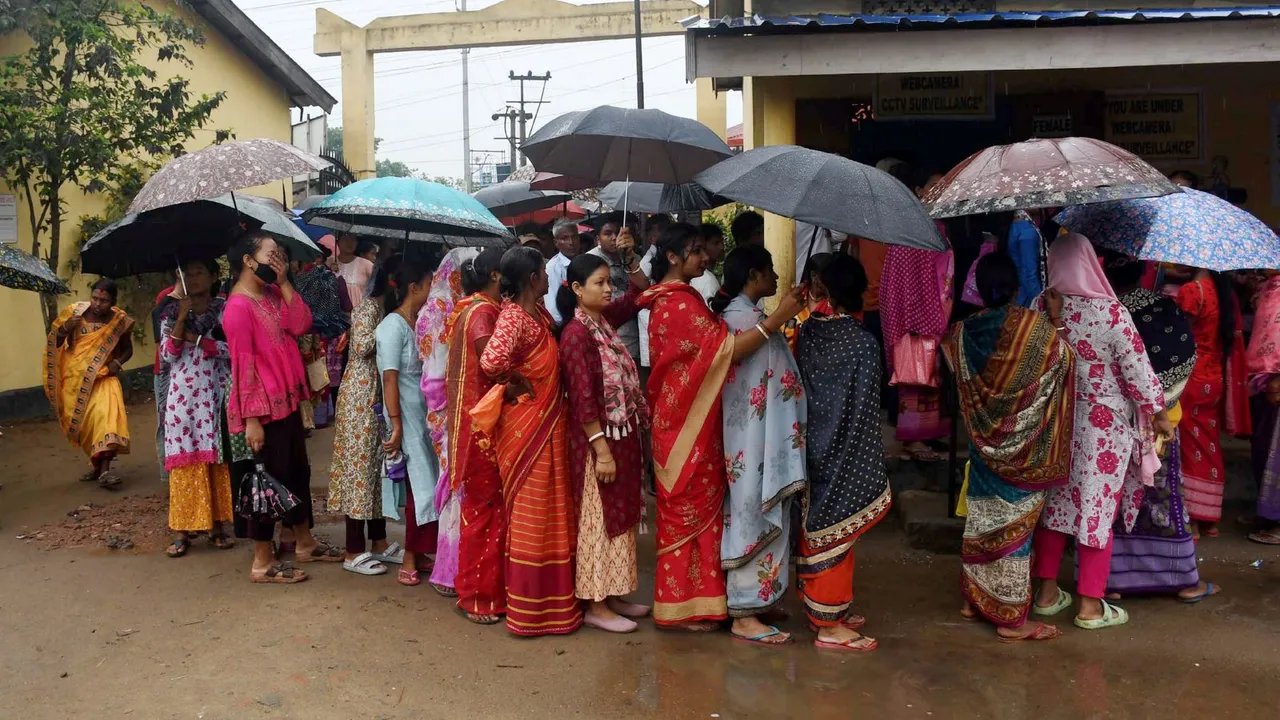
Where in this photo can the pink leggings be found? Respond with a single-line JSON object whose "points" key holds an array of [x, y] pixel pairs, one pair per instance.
{"points": [[1047, 547]]}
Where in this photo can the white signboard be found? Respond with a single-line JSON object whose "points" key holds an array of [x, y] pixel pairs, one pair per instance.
{"points": [[8, 218]]}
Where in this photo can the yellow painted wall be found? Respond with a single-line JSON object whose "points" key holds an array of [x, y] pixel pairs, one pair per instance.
{"points": [[1236, 109], [255, 106]]}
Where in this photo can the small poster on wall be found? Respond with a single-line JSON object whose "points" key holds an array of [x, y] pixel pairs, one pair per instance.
{"points": [[8, 218], [1156, 126]]}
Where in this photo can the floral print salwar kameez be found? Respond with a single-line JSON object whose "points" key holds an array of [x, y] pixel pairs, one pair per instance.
{"points": [[690, 350], [199, 477], [355, 477], [765, 412], [528, 437]]}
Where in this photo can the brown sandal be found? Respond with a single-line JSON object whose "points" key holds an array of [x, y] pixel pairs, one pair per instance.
{"points": [[322, 552], [283, 573]]}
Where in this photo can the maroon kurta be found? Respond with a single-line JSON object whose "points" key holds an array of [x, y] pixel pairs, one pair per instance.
{"points": [[580, 371]]}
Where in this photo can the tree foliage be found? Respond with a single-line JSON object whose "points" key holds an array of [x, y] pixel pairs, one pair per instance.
{"points": [[84, 103]]}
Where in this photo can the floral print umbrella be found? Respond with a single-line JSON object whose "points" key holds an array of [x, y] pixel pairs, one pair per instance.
{"points": [[1044, 173], [1188, 228], [23, 271], [221, 169], [407, 207]]}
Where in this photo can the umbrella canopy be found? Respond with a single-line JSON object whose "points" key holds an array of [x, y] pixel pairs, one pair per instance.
{"points": [[1189, 228], [308, 202], [220, 169], [610, 143], [1044, 173], [399, 206], [277, 221], [827, 191], [24, 271], [660, 197], [515, 198], [568, 209]]}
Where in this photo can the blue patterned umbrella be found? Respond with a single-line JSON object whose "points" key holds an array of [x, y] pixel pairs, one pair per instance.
{"points": [[1188, 228], [23, 271], [406, 207]]}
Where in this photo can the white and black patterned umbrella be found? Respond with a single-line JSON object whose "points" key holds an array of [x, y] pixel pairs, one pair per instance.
{"points": [[609, 143], [827, 191], [221, 169]]}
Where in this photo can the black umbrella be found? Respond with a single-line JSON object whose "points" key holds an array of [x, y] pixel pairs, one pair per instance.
{"points": [[161, 239], [660, 197], [509, 198], [827, 191], [609, 143]]}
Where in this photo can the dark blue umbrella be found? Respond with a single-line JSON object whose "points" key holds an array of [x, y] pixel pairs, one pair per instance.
{"points": [[23, 271]]}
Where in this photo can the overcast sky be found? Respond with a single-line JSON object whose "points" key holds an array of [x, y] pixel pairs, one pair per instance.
{"points": [[418, 95]]}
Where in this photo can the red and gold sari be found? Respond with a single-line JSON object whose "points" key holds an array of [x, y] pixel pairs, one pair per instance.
{"points": [[690, 352], [530, 443], [473, 469], [88, 402]]}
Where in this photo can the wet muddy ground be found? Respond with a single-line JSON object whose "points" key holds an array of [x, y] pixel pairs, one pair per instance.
{"points": [[93, 632]]}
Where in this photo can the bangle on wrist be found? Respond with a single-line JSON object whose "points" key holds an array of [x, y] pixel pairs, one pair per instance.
{"points": [[760, 327], [595, 437]]}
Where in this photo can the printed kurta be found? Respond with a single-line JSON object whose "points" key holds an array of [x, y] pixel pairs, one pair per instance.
{"points": [[355, 476], [198, 376], [1115, 388], [765, 412]]}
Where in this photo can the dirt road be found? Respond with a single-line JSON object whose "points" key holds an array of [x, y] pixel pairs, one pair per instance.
{"points": [[131, 634]]}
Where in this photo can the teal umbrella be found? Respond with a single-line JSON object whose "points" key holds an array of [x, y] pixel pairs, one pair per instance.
{"points": [[409, 208], [22, 271]]}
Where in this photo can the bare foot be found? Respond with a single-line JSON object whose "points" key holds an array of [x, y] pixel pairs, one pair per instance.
{"points": [[968, 613], [599, 616], [627, 609]]}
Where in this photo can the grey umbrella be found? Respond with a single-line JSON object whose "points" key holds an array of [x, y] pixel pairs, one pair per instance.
{"points": [[514, 197], [660, 197], [276, 220], [827, 191], [609, 143]]}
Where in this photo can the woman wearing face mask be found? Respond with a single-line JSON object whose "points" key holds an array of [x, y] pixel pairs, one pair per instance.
{"points": [[607, 414], [405, 410], [262, 317], [691, 352], [198, 367]]}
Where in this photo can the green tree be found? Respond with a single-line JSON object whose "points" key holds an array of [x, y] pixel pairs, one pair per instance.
{"points": [[384, 168], [80, 103], [393, 168]]}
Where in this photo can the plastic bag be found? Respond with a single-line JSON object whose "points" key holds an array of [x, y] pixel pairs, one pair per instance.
{"points": [[915, 361], [264, 497], [395, 467]]}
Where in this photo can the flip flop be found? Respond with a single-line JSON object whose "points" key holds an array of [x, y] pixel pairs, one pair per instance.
{"points": [[475, 617], [178, 547], [1265, 537], [1212, 532], [862, 643], [364, 564], [282, 573], [1062, 603], [760, 639], [393, 555], [408, 577], [1209, 590], [109, 480], [1112, 616], [444, 590], [1042, 632]]}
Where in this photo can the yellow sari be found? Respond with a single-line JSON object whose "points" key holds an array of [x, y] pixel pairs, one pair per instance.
{"points": [[89, 403]]}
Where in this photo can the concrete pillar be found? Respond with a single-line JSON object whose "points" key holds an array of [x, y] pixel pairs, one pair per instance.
{"points": [[357, 104], [777, 101], [752, 114], [712, 108]]}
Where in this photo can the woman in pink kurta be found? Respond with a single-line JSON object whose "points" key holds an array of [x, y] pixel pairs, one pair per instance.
{"points": [[262, 317], [1119, 405]]}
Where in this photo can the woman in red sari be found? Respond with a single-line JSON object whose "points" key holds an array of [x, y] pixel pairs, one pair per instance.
{"points": [[1216, 394], [479, 583], [690, 353], [525, 415]]}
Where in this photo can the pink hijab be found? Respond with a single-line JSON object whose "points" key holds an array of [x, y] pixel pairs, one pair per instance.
{"points": [[1074, 269]]}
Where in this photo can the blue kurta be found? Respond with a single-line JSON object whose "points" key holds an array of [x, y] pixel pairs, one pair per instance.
{"points": [[398, 350]]}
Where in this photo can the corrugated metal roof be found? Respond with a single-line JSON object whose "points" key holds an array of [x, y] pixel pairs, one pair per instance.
{"points": [[791, 23]]}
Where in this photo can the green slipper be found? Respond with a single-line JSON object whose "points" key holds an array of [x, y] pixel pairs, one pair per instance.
{"points": [[1062, 603], [1112, 616]]}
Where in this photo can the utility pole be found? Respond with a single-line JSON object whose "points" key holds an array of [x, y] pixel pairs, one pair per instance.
{"points": [[510, 116], [639, 61], [524, 116], [466, 116]]}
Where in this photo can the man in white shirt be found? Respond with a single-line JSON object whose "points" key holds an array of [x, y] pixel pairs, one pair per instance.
{"points": [[809, 243], [569, 245], [620, 275]]}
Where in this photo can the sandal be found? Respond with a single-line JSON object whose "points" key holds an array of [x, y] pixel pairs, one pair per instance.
{"points": [[322, 552], [1042, 632], [862, 643], [393, 555], [444, 590], [479, 619], [408, 577], [763, 638], [90, 476], [1209, 591], [222, 541], [179, 547], [364, 564], [1112, 616], [283, 573], [109, 480], [1265, 537], [1062, 603]]}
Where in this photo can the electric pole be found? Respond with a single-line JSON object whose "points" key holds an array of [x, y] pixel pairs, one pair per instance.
{"points": [[466, 116], [523, 116], [639, 61], [509, 116]]}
